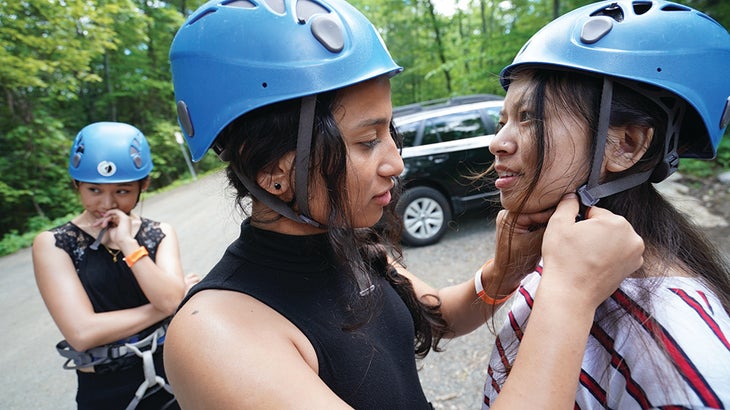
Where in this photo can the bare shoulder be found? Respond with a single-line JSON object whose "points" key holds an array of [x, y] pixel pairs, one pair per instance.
{"points": [[167, 228], [43, 239], [222, 344], [46, 255], [221, 314]]}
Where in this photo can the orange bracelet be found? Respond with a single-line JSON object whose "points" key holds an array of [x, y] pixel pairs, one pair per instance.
{"points": [[138, 254], [480, 289]]}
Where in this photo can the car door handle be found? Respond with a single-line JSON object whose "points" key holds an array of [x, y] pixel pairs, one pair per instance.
{"points": [[437, 159]]}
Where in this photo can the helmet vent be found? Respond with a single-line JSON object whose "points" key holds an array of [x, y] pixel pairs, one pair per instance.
{"points": [[244, 4], [183, 114], [306, 9], [326, 27], [197, 18], [641, 7], [136, 155], [675, 7], [612, 11], [725, 119], [277, 6], [78, 153]]}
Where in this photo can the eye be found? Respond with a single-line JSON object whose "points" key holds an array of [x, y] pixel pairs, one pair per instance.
{"points": [[526, 116], [500, 125], [371, 143]]}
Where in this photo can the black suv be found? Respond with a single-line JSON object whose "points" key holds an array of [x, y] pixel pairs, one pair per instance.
{"points": [[445, 144]]}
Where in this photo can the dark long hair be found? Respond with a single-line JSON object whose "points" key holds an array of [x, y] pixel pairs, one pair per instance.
{"points": [[665, 231], [670, 238], [261, 137]]}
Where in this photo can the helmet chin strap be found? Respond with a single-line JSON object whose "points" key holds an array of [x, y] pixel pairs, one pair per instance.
{"points": [[301, 170], [304, 142], [591, 192], [301, 175]]}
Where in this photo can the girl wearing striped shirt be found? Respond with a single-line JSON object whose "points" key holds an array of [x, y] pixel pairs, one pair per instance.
{"points": [[593, 110]]}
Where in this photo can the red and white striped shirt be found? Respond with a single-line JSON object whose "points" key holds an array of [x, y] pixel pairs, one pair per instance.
{"points": [[624, 367]]}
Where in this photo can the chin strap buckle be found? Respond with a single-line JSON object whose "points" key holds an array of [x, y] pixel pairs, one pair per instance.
{"points": [[586, 198]]}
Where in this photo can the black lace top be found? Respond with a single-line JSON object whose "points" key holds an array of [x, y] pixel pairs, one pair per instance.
{"points": [[110, 285]]}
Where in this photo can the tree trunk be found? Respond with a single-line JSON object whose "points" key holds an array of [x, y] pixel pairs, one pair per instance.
{"points": [[439, 45], [110, 88]]}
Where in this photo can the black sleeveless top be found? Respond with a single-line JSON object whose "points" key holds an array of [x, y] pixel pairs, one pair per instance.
{"points": [[370, 367], [110, 285]]}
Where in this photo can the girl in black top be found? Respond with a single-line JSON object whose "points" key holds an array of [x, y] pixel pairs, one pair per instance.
{"points": [[308, 309], [109, 277]]}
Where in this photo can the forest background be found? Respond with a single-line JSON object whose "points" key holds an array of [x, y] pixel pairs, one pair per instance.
{"points": [[68, 63]]}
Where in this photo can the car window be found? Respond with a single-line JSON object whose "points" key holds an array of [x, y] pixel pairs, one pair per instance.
{"points": [[408, 132], [453, 127], [492, 116]]}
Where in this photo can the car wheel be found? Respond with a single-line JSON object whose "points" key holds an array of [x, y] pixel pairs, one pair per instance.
{"points": [[425, 213]]}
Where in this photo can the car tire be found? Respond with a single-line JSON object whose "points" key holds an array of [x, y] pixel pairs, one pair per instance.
{"points": [[425, 213]]}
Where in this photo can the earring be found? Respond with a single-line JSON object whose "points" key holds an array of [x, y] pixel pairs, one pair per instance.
{"points": [[277, 186]]}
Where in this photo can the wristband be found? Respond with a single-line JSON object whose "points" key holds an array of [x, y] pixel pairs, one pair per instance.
{"points": [[480, 289], [138, 254]]}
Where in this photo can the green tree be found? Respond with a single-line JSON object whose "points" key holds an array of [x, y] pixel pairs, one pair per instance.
{"points": [[69, 63], [44, 62]]}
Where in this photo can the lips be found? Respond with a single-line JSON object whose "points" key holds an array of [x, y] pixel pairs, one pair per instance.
{"points": [[506, 178], [383, 199]]}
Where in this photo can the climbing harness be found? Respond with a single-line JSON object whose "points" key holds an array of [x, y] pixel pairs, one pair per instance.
{"points": [[132, 346]]}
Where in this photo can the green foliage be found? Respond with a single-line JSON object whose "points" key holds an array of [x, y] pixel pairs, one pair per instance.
{"points": [[34, 178], [65, 64], [14, 241]]}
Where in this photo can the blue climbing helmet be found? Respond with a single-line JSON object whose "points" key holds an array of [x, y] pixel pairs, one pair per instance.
{"points": [[660, 43], [233, 56], [109, 152]]}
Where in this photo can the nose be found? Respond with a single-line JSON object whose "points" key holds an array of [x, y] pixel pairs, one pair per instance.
{"points": [[502, 143], [108, 201], [392, 163]]}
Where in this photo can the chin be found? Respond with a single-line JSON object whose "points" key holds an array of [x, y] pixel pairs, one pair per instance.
{"points": [[367, 221], [513, 204], [508, 202]]}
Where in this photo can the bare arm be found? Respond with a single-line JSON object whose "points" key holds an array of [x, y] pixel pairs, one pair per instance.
{"points": [[584, 263], [515, 256], [71, 308], [227, 350]]}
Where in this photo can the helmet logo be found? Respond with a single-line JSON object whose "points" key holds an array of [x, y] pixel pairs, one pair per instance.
{"points": [[106, 168]]}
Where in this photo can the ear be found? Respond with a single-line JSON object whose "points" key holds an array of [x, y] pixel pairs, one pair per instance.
{"points": [[626, 146], [145, 184], [276, 178]]}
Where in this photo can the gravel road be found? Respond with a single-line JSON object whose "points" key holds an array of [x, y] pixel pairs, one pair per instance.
{"points": [[206, 222]]}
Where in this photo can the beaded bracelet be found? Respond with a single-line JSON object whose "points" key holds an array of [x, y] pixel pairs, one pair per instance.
{"points": [[480, 289], [138, 254]]}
